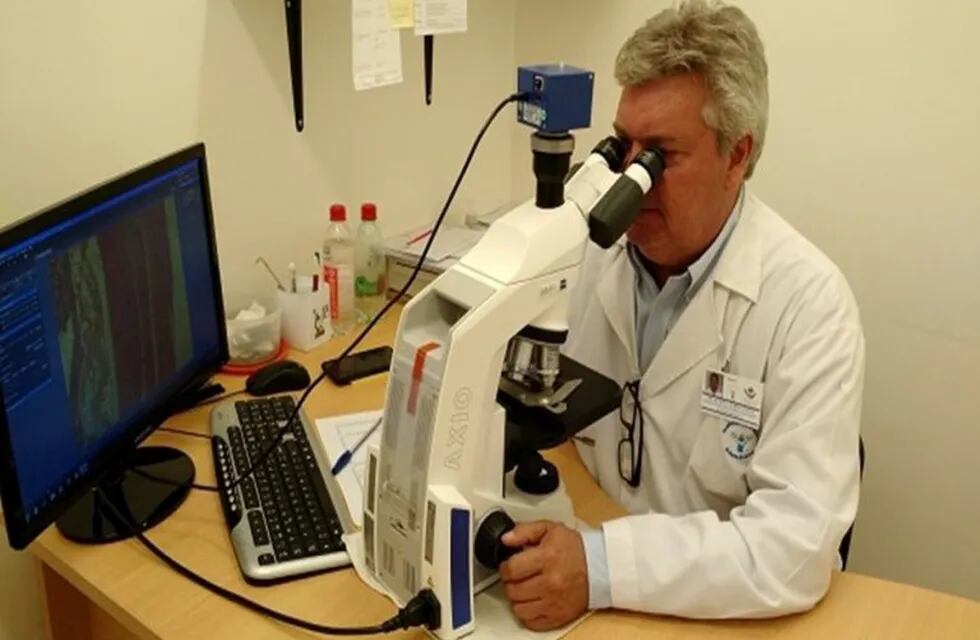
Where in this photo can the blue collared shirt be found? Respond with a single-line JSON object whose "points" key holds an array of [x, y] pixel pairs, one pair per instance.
{"points": [[656, 312]]}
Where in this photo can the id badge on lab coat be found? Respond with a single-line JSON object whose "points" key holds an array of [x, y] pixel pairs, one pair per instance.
{"points": [[732, 398]]}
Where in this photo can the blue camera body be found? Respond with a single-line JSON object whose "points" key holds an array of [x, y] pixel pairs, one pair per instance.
{"points": [[561, 97]]}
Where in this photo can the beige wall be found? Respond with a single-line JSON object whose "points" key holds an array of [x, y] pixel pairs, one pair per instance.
{"points": [[872, 153], [89, 90]]}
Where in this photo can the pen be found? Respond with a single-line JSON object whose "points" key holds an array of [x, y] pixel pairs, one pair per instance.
{"points": [[292, 276], [346, 456], [421, 236]]}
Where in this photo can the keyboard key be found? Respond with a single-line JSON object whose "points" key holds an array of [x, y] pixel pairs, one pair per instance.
{"points": [[229, 499], [256, 524], [266, 559], [249, 494]]}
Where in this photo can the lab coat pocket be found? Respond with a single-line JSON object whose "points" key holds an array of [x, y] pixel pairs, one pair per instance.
{"points": [[719, 462]]}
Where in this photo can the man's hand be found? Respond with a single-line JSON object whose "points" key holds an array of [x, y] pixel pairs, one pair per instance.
{"points": [[547, 583]]}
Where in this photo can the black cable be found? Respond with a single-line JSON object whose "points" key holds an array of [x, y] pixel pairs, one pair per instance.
{"points": [[215, 399], [420, 610], [222, 397], [173, 483], [191, 434], [283, 430]]}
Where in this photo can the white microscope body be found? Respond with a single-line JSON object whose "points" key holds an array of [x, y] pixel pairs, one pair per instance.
{"points": [[495, 320]]}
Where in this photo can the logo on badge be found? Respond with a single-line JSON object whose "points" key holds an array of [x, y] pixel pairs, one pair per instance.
{"points": [[739, 440]]}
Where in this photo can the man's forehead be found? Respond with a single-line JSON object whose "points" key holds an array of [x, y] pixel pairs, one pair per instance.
{"points": [[668, 107]]}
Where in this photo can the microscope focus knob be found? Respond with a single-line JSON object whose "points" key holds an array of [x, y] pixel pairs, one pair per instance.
{"points": [[489, 549]]}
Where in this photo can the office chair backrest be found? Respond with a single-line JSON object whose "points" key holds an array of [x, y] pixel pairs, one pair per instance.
{"points": [[845, 543]]}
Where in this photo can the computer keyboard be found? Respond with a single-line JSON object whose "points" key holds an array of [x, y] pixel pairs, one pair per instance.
{"points": [[281, 518]]}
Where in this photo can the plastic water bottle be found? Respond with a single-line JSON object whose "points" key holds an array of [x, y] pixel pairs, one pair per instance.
{"points": [[338, 270], [369, 264]]}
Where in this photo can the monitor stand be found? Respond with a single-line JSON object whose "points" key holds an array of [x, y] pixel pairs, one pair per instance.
{"points": [[145, 489]]}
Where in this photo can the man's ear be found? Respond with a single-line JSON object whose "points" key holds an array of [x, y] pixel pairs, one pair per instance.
{"points": [[738, 160]]}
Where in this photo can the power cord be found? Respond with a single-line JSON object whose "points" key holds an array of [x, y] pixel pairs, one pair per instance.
{"points": [[284, 429], [421, 610]]}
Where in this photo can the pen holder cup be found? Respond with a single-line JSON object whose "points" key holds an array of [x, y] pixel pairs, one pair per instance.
{"points": [[305, 315]]}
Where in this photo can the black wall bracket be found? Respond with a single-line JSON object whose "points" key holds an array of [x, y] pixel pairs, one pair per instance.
{"points": [[429, 45], [294, 37]]}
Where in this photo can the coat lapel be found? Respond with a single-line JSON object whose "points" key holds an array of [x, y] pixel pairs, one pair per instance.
{"points": [[695, 336], [617, 295], [700, 329]]}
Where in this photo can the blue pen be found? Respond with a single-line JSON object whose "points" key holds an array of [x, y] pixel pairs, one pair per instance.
{"points": [[346, 456]]}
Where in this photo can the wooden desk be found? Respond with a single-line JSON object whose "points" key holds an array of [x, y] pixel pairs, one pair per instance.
{"points": [[120, 591]]}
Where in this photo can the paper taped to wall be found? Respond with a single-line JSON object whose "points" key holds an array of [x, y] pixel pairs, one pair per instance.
{"points": [[376, 47], [433, 17], [401, 14]]}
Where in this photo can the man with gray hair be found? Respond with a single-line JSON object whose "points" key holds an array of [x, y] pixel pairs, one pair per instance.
{"points": [[741, 354]]}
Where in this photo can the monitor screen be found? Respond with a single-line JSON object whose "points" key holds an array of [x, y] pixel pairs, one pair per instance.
{"points": [[110, 305]]}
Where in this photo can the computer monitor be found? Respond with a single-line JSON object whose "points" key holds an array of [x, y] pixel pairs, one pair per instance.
{"points": [[110, 310]]}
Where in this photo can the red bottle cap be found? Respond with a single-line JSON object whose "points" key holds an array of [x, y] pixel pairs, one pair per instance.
{"points": [[338, 213], [369, 211]]}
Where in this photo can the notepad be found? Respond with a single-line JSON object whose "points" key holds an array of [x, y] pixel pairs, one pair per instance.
{"points": [[338, 434]]}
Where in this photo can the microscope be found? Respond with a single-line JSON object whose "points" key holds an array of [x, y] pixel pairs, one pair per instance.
{"points": [[478, 384]]}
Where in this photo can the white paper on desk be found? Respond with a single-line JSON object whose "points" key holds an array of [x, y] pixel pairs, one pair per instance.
{"points": [[494, 618], [376, 47], [433, 17], [338, 434]]}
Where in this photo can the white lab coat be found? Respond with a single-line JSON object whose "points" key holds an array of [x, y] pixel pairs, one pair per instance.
{"points": [[713, 536]]}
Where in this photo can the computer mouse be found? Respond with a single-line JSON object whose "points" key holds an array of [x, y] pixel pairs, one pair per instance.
{"points": [[285, 375]]}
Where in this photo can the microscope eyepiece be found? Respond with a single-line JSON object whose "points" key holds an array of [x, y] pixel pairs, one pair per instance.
{"points": [[618, 208], [613, 150]]}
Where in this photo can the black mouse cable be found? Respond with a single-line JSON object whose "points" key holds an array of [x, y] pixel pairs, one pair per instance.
{"points": [[173, 483], [221, 398], [202, 403], [284, 429], [182, 432]]}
